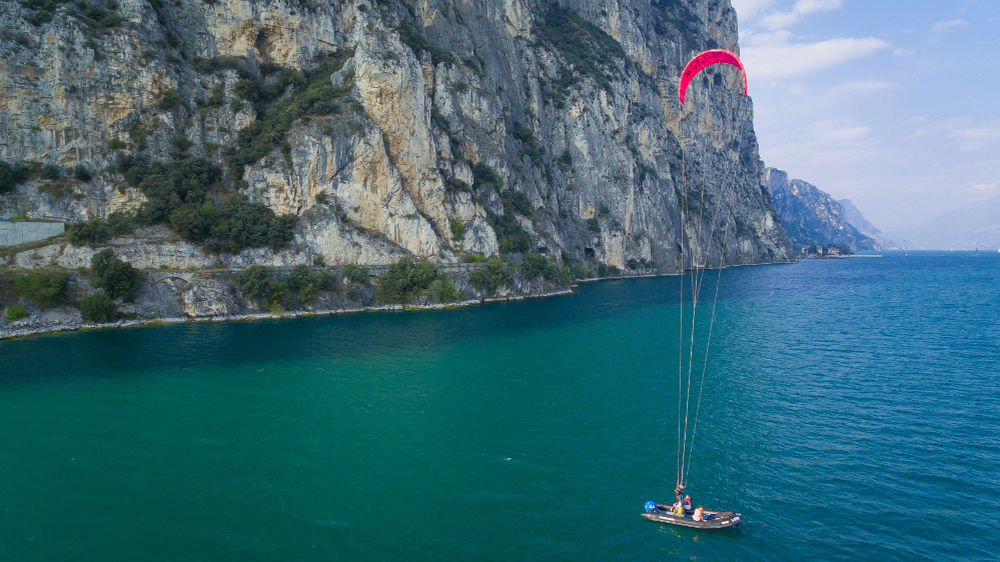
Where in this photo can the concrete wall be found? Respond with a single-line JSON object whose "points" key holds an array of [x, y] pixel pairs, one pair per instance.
{"points": [[13, 233]]}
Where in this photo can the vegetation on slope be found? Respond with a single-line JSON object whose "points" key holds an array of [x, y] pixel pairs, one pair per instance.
{"points": [[13, 174], [277, 291], [94, 14], [116, 277], [589, 51], [189, 194], [44, 287], [405, 280], [282, 96]]}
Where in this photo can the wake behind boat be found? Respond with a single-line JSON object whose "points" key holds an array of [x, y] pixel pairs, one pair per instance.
{"points": [[712, 519]]}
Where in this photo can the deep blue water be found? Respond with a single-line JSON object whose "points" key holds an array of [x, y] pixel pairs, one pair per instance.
{"points": [[851, 410]]}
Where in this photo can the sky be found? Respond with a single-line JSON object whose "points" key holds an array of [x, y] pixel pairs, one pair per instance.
{"points": [[894, 104]]}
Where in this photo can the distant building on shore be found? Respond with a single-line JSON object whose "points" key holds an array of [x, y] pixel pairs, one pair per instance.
{"points": [[819, 251]]}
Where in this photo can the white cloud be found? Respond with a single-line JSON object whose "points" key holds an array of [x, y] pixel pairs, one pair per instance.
{"points": [[802, 102], [832, 142], [843, 126], [947, 25], [940, 128], [963, 132], [779, 59], [773, 37], [862, 87], [976, 138], [845, 134], [785, 19], [747, 9]]}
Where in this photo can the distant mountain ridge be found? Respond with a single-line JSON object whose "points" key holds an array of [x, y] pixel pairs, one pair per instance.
{"points": [[812, 216], [971, 226], [858, 221]]}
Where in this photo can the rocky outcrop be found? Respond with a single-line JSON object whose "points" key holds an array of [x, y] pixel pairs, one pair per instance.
{"points": [[813, 217]]}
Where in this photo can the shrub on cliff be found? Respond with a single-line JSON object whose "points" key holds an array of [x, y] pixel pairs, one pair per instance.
{"points": [[457, 229], [97, 231], [536, 265], [491, 277], [242, 224], [118, 278], [485, 175], [19, 172], [81, 173], [12, 174], [45, 287], [443, 290], [405, 279], [356, 273], [188, 194], [98, 308], [641, 263], [95, 15], [511, 237], [605, 270], [414, 39], [306, 284], [281, 97], [274, 291], [519, 202], [586, 47], [260, 286], [16, 312]]}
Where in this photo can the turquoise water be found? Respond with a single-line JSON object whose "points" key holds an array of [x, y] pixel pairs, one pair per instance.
{"points": [[852, 409]]}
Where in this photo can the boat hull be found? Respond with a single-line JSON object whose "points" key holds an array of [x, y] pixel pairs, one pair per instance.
{"points": [[722, 519]]}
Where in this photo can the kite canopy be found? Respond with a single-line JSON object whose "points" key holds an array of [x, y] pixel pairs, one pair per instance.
{"points": [[707, 58]]}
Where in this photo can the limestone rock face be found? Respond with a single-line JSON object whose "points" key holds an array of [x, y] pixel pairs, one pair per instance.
{"points": [[591, 134], [812, 216]]}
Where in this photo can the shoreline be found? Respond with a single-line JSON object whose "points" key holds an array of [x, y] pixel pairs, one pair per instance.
{"points": [[141, 323], [22, 333]]}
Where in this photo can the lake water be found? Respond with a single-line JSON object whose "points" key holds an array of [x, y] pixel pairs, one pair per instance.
{"points": [[851, 410]]}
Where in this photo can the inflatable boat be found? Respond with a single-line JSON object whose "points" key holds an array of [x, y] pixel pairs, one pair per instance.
{"points": [[713, 519]]}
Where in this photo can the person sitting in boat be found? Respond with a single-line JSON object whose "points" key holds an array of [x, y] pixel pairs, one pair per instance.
{"points": [[687, 504], [698, 513]]}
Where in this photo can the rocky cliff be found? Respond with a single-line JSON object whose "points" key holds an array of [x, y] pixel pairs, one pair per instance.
{"points": [[234, 132], [811, 216]]}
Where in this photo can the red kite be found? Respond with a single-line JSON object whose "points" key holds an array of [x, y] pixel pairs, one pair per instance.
{"points": [[707, 58]]}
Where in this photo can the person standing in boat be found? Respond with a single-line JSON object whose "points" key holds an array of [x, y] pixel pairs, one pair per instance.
{"points": [[683, 504]]}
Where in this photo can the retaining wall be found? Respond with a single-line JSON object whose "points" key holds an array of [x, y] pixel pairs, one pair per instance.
{"points": [[13, 233]]}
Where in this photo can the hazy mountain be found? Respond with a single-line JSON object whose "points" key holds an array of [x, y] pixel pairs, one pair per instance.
{"points": [[858, 221], [812, 216], [971, 226]]}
